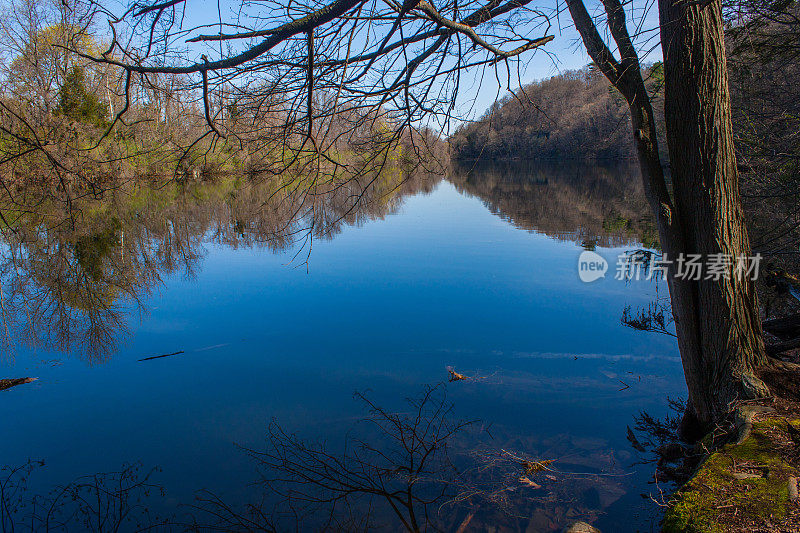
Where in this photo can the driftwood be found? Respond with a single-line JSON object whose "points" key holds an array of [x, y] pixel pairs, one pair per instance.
{"points": [[8, 383]]}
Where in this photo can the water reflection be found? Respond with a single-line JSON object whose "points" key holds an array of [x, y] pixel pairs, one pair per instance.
{"points": [[72, 275], [387, 307], [593, 204], [419, 468]]}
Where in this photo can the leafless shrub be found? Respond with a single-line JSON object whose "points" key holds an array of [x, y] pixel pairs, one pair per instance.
{"points": [[112, 501]]}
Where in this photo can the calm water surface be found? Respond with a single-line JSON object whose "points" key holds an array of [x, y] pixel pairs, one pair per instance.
{"points": [[477, 273]]}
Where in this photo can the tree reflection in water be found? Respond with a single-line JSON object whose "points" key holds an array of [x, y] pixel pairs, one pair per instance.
{"points": [[72, 273], [589, 203], [72, 277], [417, 469], [113, 501]]}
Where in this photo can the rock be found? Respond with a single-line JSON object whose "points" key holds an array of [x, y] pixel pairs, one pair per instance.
{"points": [[581, 527], [540, 521], [793, 489]]}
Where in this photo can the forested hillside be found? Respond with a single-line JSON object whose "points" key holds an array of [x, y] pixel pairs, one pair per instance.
{"points": [[574, 114], [577, 114]]}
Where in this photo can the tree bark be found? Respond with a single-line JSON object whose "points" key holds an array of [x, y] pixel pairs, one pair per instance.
{"points": [[719, 331]]}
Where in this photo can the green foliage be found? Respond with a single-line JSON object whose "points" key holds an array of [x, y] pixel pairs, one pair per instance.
{"points": [[654, 80], [649, 236], [78, 104], [656, 72], [647, 233]]}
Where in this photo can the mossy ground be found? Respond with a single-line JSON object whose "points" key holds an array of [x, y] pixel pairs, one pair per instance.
{"points": [[744, 487]]}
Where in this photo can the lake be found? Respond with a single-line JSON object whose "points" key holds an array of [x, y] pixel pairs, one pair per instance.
{"points": [[277, 312]]}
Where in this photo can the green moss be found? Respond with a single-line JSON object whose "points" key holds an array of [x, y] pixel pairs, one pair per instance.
{"points": [[693, 512], [700, 505]]}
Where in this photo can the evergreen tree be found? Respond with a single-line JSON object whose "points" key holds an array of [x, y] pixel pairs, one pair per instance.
{"points": [[78, 104]]}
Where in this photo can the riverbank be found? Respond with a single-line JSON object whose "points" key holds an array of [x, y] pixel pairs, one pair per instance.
{"points": [[750, 482]]}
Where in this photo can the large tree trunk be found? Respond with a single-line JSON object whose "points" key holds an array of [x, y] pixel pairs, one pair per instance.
{"points": [[719, 331], [717, 323]]}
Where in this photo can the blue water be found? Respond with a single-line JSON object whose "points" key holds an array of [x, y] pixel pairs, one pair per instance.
{"points": [[387, 307]]}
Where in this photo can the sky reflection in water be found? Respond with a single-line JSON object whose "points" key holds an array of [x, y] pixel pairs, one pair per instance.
{"points": [[479, 275]]}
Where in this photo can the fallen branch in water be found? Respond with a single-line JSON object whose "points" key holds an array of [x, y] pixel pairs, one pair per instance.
{"points": [[8, 383], [531, 467], [160, 356]]}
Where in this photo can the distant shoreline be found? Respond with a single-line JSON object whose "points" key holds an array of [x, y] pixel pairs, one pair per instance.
{"points": [[541, 159]]}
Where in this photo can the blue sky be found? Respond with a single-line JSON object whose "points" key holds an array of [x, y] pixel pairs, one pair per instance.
{"points": [[480, 89]]}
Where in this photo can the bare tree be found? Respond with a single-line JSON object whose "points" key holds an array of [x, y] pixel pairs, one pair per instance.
{"points": [[381, 63]]}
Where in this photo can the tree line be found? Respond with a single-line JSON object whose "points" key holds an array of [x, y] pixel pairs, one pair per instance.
{"points": [[71, 127]]}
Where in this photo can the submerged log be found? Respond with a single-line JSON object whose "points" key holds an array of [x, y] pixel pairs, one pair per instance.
{"points": [[161, 356]]}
